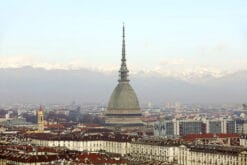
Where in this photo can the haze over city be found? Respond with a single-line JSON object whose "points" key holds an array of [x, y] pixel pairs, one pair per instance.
{"points": [[159, 82], [186, 51]]}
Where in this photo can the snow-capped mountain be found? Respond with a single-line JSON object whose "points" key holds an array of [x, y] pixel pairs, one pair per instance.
{"points": [[28, 84]]}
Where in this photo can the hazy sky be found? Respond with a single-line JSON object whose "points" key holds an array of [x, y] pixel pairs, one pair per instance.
{"points": [[162, 35]]}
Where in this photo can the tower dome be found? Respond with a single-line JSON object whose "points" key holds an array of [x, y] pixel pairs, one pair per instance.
{"points": [[123, 97], [123, 108]]}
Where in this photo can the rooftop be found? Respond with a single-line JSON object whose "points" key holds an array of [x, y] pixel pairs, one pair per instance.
{"points": [[233, 150], [159, 142], [22, 154], [82, 137], [191, 137]]}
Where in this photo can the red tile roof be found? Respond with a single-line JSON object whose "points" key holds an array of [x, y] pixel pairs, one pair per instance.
{"points": [[191, 137], [13, 153], [77, 136]]}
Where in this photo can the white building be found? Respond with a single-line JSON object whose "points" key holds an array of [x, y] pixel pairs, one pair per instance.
{"points": [[151, 149], [119, 144], [144, 149], [208, 155], [148, 149], [243, 140]]}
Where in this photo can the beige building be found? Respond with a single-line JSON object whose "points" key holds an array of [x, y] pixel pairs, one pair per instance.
{"points": [[209, 155], [172, 151], [90, 146], [161, 150], [243, 140], [40, 119], [112, 143]]}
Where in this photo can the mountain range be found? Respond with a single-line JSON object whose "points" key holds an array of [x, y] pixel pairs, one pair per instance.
{"points": [[38, 85]]}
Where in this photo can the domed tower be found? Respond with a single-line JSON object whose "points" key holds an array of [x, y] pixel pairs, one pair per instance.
{"points": [[123, 108]]}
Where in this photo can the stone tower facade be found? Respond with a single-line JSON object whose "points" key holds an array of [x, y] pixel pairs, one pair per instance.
{"points": [[123, 108], [40, 116]]}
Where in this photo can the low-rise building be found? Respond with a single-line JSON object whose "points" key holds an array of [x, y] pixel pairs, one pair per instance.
{"points": [[211, 154], [164, 150], [173, 151], [210, 138], [28, 155], [243, 140], [108, 142]]}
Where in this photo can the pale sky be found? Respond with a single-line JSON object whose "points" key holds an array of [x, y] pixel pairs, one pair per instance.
{"points": [[161, 35]]}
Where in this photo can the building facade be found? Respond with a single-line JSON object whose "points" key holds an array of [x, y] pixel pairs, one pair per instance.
{"points": [[208, 155], [173, 151], [40, 119], [243, 140], [178, 128], [164, 128], [214, 126], [151, 149], [170, 128]]}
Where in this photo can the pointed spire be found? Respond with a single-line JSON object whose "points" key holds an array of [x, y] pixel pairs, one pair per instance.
{"points": [[40, 108], [123, 44], [123, 72]]}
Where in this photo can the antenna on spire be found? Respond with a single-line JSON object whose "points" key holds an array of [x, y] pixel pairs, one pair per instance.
{"points": [[123, 30]]}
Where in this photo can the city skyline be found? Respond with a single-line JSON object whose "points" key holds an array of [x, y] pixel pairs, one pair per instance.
{"points": [[130, 82], [188, 52], [172, 38]]}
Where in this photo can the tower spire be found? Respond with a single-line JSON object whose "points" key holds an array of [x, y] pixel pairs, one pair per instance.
{"points": [[40, 108], [123, 72]]}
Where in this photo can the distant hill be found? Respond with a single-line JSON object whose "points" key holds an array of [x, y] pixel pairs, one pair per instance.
{"points": [[37, 85]]}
